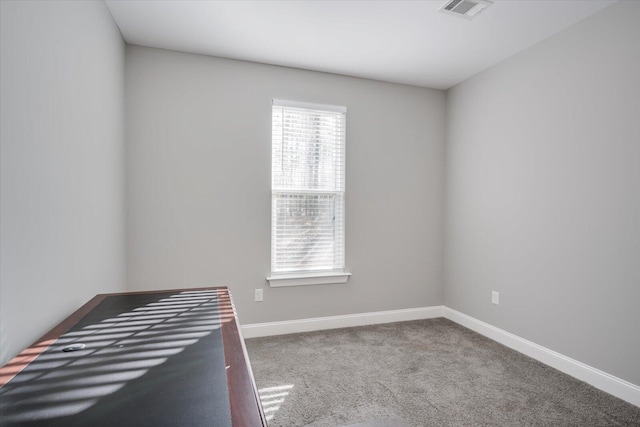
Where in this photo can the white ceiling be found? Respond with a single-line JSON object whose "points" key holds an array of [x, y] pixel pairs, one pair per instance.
{"points": [[397, 41]]}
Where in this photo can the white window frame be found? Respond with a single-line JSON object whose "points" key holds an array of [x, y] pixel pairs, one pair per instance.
{"points": [[337, 273]]}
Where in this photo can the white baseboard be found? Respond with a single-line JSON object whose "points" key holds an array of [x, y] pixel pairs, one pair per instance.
{"points": [[597, 378], [333, 322]]}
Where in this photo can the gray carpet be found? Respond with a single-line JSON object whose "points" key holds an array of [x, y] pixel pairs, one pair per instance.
{"points": [[420, 373]]}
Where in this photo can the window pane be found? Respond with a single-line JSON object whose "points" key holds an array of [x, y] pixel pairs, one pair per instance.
{"points": [[305, 232], [307, 150], [307, 218]]}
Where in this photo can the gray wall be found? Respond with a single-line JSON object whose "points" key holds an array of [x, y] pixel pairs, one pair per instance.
{"points": [[542, 173], [62, 165], [543, 193], [198, 174]]}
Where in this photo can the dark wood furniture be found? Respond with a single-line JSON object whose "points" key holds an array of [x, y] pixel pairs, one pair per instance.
{"points": [[160, 358]]}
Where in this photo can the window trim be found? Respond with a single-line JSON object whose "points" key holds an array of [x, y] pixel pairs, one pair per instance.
{"points": [[320, 277], [309, 106], [303, 279]]}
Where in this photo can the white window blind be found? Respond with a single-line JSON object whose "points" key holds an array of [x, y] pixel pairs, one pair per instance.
{"points": [[308, 172]]}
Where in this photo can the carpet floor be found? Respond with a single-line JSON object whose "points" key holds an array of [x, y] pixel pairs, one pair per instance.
{"points": [[421, 373]]}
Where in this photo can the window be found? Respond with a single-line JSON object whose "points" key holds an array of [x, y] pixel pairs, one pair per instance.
{"points": [[307, 194]]}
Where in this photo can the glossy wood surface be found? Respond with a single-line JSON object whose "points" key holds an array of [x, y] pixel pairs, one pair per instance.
{"points": [[246, 409], [243, 394], [28, 355]]}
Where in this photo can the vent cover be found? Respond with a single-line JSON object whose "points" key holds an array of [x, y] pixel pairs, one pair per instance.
{"points": [[465, 8]]}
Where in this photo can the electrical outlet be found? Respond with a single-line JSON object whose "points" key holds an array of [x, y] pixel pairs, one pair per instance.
{"points": [[258, 295], [495, 297]]}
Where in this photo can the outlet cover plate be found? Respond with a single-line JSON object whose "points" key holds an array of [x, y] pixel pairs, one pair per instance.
{"points": [[495, 298]]}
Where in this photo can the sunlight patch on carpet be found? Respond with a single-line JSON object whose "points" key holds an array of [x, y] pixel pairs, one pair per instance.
{"points": [[272, 398]]}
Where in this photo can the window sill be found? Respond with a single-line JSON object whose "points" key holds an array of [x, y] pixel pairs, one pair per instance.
{"points": [[307, 279]]}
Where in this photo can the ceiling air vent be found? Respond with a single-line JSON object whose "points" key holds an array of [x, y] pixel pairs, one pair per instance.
{"points": [[465, 8]]}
